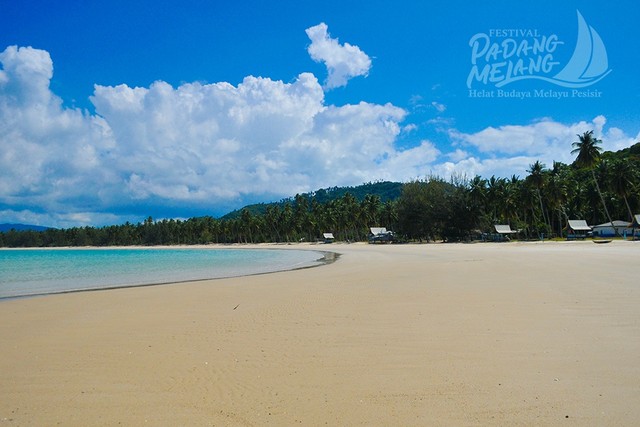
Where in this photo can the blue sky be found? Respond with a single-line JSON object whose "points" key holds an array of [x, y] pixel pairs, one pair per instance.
{"points": [[113, 111]]}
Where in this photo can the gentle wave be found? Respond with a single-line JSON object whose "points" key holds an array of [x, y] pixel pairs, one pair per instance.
{"points": [[28, 272]]}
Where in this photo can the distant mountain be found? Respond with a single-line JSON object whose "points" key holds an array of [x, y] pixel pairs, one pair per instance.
{"points": [[21, 227], [386, 190]]}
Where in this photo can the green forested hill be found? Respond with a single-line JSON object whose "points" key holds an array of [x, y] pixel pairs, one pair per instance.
{"points": [[390, 191], [386, 190]]}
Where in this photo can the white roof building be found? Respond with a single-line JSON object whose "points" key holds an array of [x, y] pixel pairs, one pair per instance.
{"points": [[606, 230], [578, 225], [504, 229]]}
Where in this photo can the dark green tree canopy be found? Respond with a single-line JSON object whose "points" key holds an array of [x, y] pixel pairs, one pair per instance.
{"points": [[597, 187]]}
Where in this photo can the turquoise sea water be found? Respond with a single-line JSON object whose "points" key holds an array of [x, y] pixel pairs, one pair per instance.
{"points": [[43, 271]]}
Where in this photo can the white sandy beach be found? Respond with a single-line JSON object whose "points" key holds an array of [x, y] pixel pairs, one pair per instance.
{"points": [[412, 335]]}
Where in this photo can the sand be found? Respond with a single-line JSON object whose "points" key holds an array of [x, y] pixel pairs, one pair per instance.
{"points": [[438, 334]]}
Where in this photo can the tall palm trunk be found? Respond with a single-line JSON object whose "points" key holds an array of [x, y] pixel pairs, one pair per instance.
{"points": [[626, 202], [560, 209], [604, 205], [546, 220]]}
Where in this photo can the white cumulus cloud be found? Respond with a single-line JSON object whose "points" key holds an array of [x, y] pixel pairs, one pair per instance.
{"points": [[208, 146], [510, 149], [343, 61], [46, 151]]}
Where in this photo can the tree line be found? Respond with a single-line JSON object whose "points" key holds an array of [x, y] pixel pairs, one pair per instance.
{"points": [[597, 187]]}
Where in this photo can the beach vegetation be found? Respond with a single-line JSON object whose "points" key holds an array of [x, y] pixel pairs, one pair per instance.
{"points": [[596, 187], [588, 150]]}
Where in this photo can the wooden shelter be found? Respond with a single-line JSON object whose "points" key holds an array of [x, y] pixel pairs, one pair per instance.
{"points": [[577, 229]]}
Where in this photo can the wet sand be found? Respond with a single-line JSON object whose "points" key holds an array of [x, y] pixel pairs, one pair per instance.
{"points": [[477, 334]]}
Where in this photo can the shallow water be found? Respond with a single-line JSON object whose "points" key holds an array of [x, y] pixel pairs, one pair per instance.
{"points": [[43, 271]]}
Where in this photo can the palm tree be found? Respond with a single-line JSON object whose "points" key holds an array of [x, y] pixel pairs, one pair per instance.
{"points": [[622, 177], [494, 197], [389, 214], [478, 200], [301, 217], [511, 198], [557, 196], [286, 220], [537, 179], [370, 208], [477, 190], [246, 223], [588, 149], [272, 222], [348, 214]]}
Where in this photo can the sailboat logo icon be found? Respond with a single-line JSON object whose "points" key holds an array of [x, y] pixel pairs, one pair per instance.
{"points": [[500, 57], [589, 63]]}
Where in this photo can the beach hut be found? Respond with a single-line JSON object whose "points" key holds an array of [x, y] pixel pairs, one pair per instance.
{"points": [[328, 237], [577, 229], [623, 228], [380, 234], [504, 231]]}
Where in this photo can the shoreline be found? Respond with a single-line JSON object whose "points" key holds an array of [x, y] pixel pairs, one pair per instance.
{"points": [[327, 257], [538, 333]]}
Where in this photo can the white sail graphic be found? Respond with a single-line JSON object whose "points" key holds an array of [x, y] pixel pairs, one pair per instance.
{"points": [[589, 62], [588, 65]]}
